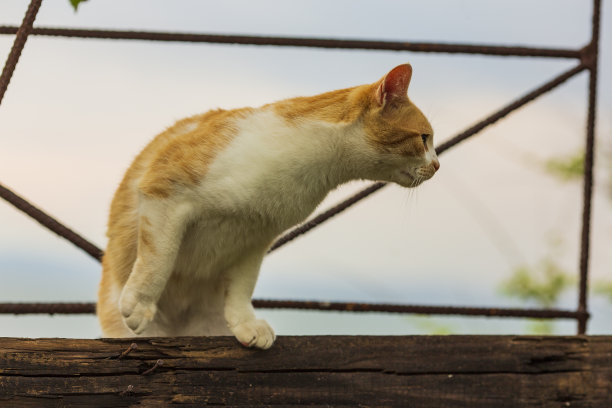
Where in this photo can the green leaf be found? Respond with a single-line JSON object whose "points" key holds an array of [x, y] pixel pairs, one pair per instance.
{"points": [[542, 284], [567, 168], [75, 3]]}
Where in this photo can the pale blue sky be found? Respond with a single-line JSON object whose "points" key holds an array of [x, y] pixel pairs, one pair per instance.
{"points": [[77, 112]]}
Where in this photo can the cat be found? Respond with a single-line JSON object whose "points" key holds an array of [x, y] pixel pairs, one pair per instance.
{"points": [[198, 208]]}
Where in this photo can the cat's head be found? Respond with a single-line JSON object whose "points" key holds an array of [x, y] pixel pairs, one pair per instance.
{"points": [[398, 132]]}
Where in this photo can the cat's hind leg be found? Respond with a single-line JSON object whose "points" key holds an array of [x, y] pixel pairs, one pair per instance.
{"points": [[107, 308], [161, 227], [239, 313]]}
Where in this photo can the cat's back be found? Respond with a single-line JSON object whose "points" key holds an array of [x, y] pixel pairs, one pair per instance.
{"points": [[177, 157], [180, 156]]}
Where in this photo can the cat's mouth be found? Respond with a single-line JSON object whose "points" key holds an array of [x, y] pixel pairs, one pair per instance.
{"points": [[407, 174]]}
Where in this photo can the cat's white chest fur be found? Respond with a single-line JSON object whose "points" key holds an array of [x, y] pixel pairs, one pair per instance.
{"points": [[274, 173]]}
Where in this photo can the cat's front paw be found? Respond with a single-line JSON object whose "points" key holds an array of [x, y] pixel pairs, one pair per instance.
{"points": [[254, 333], [137, 312]]}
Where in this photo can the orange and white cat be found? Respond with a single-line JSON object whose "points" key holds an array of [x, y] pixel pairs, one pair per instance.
{"points": [[201, 204]]}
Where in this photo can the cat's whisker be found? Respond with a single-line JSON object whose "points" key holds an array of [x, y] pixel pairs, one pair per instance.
{"points": [[419, 180], [407, 213], [410, 195]]}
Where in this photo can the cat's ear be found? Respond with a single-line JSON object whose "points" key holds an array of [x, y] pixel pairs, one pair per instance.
{"points": [[394, 84]]}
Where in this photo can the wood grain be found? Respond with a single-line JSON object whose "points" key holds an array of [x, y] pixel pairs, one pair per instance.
{"points": [[388, 371]]}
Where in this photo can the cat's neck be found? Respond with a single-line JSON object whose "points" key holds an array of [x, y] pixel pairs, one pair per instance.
{"points": [[339, 106], [325, 133], [329, 154], [334, 121], [297, 149]]}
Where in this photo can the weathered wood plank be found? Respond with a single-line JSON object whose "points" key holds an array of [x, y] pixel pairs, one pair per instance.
{"points": [[415, 371]]}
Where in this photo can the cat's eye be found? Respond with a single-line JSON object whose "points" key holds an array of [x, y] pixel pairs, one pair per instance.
{"points": [[424, 137]]}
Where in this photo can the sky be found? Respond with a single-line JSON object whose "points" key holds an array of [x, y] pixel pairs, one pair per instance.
{"points": [[78, 111]]}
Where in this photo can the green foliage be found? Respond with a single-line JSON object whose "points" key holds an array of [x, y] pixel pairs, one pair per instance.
{"points": [[567, 168], [75, 3], [542, 284], [541, 327]]}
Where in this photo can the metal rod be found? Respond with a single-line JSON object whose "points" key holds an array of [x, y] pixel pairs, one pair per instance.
{"points": [[589, 159], [546, 87], [20, 39], [89, 308], [325, 215], [47, 308], [516, 51], [50, 223]]}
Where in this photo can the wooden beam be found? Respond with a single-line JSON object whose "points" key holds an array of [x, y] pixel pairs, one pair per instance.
{"points": [[411, 371]]}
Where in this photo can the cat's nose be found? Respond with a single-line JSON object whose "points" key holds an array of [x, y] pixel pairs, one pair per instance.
{"points": [[436, 164]]}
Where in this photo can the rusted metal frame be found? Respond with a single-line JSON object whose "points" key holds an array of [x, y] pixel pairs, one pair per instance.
{"points": [[90, 308], [50, 223], [304, 42], [20, 39], [417, 309], [327, 214], [591, 60], [581, 314]]}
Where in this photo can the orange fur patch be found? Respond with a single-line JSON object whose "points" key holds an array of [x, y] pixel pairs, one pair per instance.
{"points": [[185, 157], [341, 106]]}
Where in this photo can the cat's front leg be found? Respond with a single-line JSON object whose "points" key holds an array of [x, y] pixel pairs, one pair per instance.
{"points": [[160, 231], [239, 313]]}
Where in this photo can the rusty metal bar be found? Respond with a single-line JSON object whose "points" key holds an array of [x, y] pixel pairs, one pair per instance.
{"points": [[548, 86], [325, 215], [491, 119], [47, 308], [592, 61], [20, 39], [90, 308], [50, 223], [516, 51]]}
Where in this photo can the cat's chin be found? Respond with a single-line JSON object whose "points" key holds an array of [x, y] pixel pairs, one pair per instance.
{"points": [[405, 179]]}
